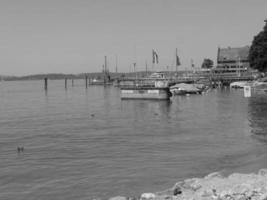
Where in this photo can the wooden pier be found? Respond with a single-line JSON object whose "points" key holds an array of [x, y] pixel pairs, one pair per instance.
{"points": [[225, 79]]}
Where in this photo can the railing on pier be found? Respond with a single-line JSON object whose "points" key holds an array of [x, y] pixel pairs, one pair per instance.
{"points": [[218, 75]]}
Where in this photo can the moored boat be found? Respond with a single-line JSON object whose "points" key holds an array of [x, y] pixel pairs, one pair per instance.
{"points": [[238, 84], [184, 88], [260, 82], [160, 91], [99, 82], [260, 85]]}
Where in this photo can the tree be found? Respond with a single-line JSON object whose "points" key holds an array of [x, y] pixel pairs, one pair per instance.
{"points": [[207, 63], [258, 51]]}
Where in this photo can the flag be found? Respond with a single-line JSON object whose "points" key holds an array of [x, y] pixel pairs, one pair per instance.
{"points": [[177, 59], [192, 63], [155, 58]]}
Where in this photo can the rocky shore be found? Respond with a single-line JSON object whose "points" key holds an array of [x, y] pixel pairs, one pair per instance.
{"points": [[214, 186]]}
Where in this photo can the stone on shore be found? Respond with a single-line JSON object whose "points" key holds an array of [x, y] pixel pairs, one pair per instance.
{"points": [[214, 186], [148, 196], [217, 187], [119, 198]]}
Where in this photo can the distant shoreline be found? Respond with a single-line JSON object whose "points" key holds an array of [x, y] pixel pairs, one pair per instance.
{"points": [[60, 76], [52, 76]]}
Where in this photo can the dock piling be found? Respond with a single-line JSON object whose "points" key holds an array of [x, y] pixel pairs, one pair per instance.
{"points": [[86, 82], [66, 83], [45, 83]]}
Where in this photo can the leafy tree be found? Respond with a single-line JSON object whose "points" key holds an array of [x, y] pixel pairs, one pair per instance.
{"points": [[258, 51], [207, 63]]}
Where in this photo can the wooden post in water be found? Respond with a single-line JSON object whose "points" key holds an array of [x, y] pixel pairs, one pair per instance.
{"points": [[105, 71], [45, 83], [66, 83], [86, 82]]}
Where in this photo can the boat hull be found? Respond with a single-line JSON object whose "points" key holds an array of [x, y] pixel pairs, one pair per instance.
{"points": [[183, 89], [151, 93], [239, 84]]}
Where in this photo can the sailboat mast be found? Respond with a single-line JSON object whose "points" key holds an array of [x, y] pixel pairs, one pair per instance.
{"points": [[116, 64], [153, 60], [176, 65], [238, 66], [105, 70], [134, 64], [134, 71], [146, 68]]}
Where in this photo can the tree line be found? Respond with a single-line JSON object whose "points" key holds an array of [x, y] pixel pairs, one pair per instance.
{"points": [[258, 51]]}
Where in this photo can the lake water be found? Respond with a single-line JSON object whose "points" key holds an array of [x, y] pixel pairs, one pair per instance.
{"points": [[84, 144]]}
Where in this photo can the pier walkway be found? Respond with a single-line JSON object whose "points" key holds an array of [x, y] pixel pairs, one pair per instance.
{"points": [[225, 79]]}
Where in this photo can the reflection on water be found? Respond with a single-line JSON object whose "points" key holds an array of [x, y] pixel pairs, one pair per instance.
{"points": [[86, 143], [258, 116], [156, 108]]}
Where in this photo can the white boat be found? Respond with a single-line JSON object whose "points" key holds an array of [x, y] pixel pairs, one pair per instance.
{"points": [[158, 75], [99, 82], [260, 85], [260, 82], [239, 84], [185, 88], [105, 79], [160, 91]]}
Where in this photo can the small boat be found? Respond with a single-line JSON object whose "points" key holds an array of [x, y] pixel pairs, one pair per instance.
{"points": [[160, 91], [105, 79], [99, 82], [238, 84], [185, 88], [157, 75], [96, 82], [260, 82], [260, 85]]}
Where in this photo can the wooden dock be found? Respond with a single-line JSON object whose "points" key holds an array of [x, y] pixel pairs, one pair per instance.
{"points": [[224, 79]]}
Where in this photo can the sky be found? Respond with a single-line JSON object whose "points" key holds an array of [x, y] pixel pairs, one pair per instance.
{"points": [[74, 36]]}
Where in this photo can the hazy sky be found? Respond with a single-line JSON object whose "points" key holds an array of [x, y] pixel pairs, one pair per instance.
{"points": [[73, 36]]}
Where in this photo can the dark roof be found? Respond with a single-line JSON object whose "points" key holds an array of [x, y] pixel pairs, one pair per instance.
{"points": [[233, 54]]}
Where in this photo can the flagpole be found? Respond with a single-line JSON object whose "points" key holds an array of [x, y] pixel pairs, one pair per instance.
{"points": [[116, 64], [176, 62], [193, 66], [146, 68], [154, 59], [134, 65]]}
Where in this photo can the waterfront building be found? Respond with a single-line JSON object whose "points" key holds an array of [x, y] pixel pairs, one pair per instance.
{"points": [[233, 60]]}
